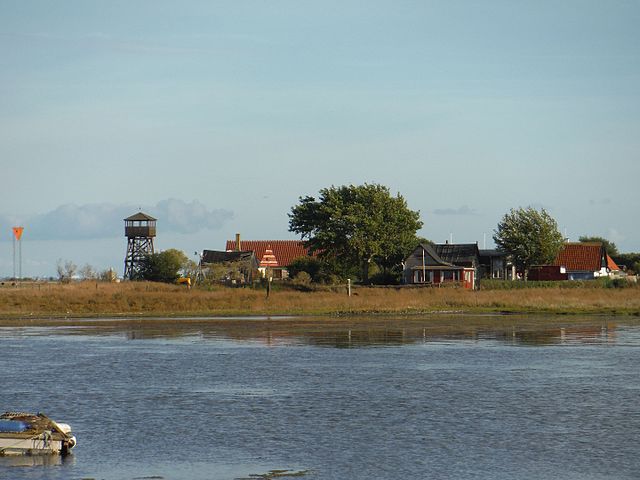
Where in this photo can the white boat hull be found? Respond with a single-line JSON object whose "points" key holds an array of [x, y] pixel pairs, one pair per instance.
{"points": [[41, 444], [29, 434]]}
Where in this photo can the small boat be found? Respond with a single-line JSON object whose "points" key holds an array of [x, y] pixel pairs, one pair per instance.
{"points": [[34, 434]]}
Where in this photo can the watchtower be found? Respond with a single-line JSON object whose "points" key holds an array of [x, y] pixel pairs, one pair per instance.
{"points": [[140, 229]]}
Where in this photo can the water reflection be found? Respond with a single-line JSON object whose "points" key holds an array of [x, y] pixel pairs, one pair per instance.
{"points": [[36, 460], [215, 399], [346, 333]]}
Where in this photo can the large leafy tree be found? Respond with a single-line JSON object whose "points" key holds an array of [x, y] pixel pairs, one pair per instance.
{"points": [[529, 236], [353, 226], [163, 266], [609, 246]]}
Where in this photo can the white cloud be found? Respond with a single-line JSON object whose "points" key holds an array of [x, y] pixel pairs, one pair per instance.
{"points": [[106, 220], [463, 210], [182, 217]]}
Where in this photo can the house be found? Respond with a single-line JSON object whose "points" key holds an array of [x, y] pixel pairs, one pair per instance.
{"points": [[272, 255], [443, 263], [235, 267], [585, 261], [495, 264]]}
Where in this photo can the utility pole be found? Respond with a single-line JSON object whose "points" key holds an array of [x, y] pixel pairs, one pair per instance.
{"points": [[17, 238]]}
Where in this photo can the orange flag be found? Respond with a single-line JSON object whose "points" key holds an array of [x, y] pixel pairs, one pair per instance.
{"points": [[17, 232]]}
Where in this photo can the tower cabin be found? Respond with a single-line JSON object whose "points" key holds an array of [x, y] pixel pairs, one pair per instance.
{"points": [[140, 230]]}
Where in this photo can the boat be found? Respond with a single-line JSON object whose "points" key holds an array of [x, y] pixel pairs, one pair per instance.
{"points": [[24, 433]]}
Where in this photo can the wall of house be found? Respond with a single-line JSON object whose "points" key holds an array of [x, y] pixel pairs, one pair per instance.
{"points": [[547, 273], [465, 276], [414, 260], [469, 278], [581, 275]]}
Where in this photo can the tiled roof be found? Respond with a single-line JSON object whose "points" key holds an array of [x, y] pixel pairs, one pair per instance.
{"points": [[285, 251], [613, 266], [583, 257]]}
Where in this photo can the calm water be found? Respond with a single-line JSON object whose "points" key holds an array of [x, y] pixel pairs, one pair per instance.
{"points": [[457, 398]]}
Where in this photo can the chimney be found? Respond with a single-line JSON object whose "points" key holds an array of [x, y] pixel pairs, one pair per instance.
{"points": [[238, 242]]}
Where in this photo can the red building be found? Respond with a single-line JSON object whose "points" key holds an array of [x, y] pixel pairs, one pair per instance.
{"points": [[275, 255], [585, 261]]}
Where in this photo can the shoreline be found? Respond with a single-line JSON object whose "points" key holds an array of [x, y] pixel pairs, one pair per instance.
{"points": [[137, 300]]}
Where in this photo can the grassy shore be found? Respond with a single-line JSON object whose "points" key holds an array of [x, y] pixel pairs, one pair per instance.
{"points": [[99, 299]]}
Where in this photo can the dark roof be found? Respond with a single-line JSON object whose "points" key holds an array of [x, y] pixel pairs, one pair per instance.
{"points": [[457, 253], [492, 253], [140, 217], [215, 256], [431, 257]]}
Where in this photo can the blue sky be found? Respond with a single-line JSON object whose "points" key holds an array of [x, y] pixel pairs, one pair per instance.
{"points": [[215, 117]]}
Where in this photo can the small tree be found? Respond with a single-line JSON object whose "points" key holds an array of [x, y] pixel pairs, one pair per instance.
{"points": [[108, 275], [309, 265], [162, 267], [529, 237], [66, 271], [87, 272]]}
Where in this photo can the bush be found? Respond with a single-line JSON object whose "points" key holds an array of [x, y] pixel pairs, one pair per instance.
{"points": [[302, 278], [385, 278], [605, 282], [318, 270], [617, 283]]}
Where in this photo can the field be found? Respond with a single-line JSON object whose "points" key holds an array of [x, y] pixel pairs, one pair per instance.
{"points": [[100, 299]]}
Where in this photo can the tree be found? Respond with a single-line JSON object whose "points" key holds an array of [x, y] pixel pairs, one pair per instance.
{"points": [[66, 271], [354, 226], [529, 236], [309, 265], [162, 267], [87, 272], [108, 275], [610, 247], [629, 260], [319, 270]]}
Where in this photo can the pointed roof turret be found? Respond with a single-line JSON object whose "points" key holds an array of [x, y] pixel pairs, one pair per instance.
{"points": [[140, 217]]}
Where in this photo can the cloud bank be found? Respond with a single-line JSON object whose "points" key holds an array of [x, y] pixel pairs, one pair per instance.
{"points": [[105, 220], [463, 210]]}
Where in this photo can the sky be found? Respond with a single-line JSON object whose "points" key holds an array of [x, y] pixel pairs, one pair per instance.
{"points": [[215, 117]]}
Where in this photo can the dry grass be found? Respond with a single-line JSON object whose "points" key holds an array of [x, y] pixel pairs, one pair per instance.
{"points": [[152, 299]]}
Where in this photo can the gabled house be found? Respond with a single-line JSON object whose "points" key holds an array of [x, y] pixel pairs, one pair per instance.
{"points": [[272, 255], [443, 263], [495, 264], [584, 261]]}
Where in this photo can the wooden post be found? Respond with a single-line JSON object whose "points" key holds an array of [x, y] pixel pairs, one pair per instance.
{"points": [[269, 287], [348, 286]]}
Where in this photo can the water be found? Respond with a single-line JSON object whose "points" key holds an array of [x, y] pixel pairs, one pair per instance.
{"points": [[459, 398]]}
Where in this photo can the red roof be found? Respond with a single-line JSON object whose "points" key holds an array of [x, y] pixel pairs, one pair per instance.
{"points": [[284, 251], [585, 257], [613, 266]]}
